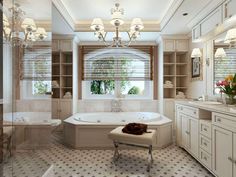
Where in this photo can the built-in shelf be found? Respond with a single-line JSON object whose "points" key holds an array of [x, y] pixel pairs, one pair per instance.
{"points": [[175, 70], [62, 68]]}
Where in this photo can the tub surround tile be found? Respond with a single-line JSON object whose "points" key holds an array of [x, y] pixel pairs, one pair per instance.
{"points": [[33, 105]]}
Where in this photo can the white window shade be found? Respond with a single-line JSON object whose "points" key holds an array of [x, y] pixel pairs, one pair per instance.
{"points": [[117, 64], [36, 63]]}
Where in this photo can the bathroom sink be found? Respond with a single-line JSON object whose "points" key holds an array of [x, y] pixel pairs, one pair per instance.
{"points": [[205, 102]]}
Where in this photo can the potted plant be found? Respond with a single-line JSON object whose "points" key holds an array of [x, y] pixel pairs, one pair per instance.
{"points": [[228, 87]]}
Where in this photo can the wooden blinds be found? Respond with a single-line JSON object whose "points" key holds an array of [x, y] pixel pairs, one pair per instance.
{"points": [[36, 63], [117, 63]]}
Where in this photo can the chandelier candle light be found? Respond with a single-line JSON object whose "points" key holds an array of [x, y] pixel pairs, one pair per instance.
{"points": [[117, 20], [19, 24]]}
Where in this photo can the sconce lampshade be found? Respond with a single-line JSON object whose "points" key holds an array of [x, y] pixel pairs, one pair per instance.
{"points": [[196, 53], [230, 36], [136, 24], [28, 24], [97, 24], [220, 53]]}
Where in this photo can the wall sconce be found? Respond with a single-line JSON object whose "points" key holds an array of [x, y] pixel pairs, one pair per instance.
{"points": [[220, 53], [196, 53]]}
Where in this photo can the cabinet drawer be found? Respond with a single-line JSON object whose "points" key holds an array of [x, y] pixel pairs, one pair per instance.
{"points": [[205, 128], [224, 121], [205, 158], [193, 112], [205, 144]]}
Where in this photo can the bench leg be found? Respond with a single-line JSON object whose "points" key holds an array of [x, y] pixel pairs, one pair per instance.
{"points": [[116, 152], [150, 158]]}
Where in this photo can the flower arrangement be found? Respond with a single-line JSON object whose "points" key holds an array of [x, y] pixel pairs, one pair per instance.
{"points": [[228, 87]]}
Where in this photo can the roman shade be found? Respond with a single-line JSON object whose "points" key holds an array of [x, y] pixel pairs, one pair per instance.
{"points": [[36, 63], [117, 64]]}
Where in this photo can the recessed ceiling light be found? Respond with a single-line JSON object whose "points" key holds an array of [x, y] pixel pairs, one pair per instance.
{"points": [[185, 14]]}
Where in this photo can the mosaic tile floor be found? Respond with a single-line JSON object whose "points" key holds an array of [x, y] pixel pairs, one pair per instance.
{"points": [[169, 162]]}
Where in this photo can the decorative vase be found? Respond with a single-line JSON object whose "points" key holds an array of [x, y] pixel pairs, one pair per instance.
{"points": [[230, 100]]}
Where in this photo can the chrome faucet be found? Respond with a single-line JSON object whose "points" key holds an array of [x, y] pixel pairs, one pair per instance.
{"points": [[116, 105]]}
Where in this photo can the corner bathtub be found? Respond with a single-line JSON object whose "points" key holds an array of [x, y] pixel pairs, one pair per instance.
{"points": [[32, 130], [89, 130]]}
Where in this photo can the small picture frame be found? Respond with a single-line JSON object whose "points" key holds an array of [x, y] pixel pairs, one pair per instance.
{"points": [[196, 67]]}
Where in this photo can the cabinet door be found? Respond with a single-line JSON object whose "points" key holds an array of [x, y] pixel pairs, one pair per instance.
{"points": [[66, 45], [169, 45], [65, 109], [185, 132], [211, 21], [178, 125], [194, 136], [181, 45], [55, 45], [229, 9], [55, 109], [222, 152]]}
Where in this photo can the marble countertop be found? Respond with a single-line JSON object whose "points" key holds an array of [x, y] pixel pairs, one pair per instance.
{"points": [[219, 108]]}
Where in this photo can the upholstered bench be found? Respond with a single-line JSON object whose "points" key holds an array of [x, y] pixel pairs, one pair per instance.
{"points": [[144, 141]]}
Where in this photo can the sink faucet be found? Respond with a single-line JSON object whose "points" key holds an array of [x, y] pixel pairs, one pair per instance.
{"points": [[116, 105]]}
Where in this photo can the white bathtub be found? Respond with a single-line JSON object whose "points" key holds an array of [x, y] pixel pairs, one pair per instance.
{"points": [[91, 129], [32, 130], [30, 118]]}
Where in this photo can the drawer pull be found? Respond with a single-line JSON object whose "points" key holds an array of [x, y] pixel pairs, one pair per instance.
{"points": [[187, 132], [205, 129], [230, 159], [219, 120]]}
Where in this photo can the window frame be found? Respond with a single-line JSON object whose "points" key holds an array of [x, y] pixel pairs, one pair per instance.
{"points": [[86, 93]]}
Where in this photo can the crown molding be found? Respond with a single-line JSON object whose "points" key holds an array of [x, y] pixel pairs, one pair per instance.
{"points": [[137, 43], [149, 26], [64, 12], [170, 12]]}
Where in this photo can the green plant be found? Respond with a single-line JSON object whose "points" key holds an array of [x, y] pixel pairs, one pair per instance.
{"points": [[134, 91]]}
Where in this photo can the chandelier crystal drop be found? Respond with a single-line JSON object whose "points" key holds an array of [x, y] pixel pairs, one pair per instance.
{"points": [[21, 31], [117, 14]]}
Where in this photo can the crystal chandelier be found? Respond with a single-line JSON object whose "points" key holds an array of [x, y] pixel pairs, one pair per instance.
{"points": [[22, 31], [117, 20]]}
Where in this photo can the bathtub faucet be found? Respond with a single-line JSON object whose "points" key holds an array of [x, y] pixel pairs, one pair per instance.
{"points": [[116, 105]]}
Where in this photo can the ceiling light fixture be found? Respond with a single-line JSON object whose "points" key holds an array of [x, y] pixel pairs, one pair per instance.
{"points": [[20, 25], [117, 20]]}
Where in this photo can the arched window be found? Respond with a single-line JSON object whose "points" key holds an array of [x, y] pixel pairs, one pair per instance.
{"points": [[117, 72]]}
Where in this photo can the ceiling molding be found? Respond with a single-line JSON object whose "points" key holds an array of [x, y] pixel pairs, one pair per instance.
{"points": [[101, 43], [44, 24], [170, 12], [149, 26], [212, 5], [64, 12]]}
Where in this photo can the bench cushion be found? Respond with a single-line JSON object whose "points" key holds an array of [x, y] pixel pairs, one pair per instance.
{"points": [[118, 135]]}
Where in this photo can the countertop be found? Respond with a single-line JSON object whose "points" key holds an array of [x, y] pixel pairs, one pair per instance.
{"points": [[219, 108]]}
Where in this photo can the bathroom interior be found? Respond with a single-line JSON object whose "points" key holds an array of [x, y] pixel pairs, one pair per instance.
{"points": [[73, 72]]}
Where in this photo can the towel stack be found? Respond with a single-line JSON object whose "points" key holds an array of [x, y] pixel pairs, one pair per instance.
{"points": [[67, 95], [180, 95], [168, 84], [55, 84]]}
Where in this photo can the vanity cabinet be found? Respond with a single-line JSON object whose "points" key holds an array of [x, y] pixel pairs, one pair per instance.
{"points": [[61, 108], [224, 145], [229, 9]]}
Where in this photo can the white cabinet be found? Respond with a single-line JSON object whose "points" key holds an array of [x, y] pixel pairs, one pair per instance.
{"points": [[229, 9], [61, 109], [171, 45], [211, 21], [64, 45], [190, 134], [222, 152]]}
